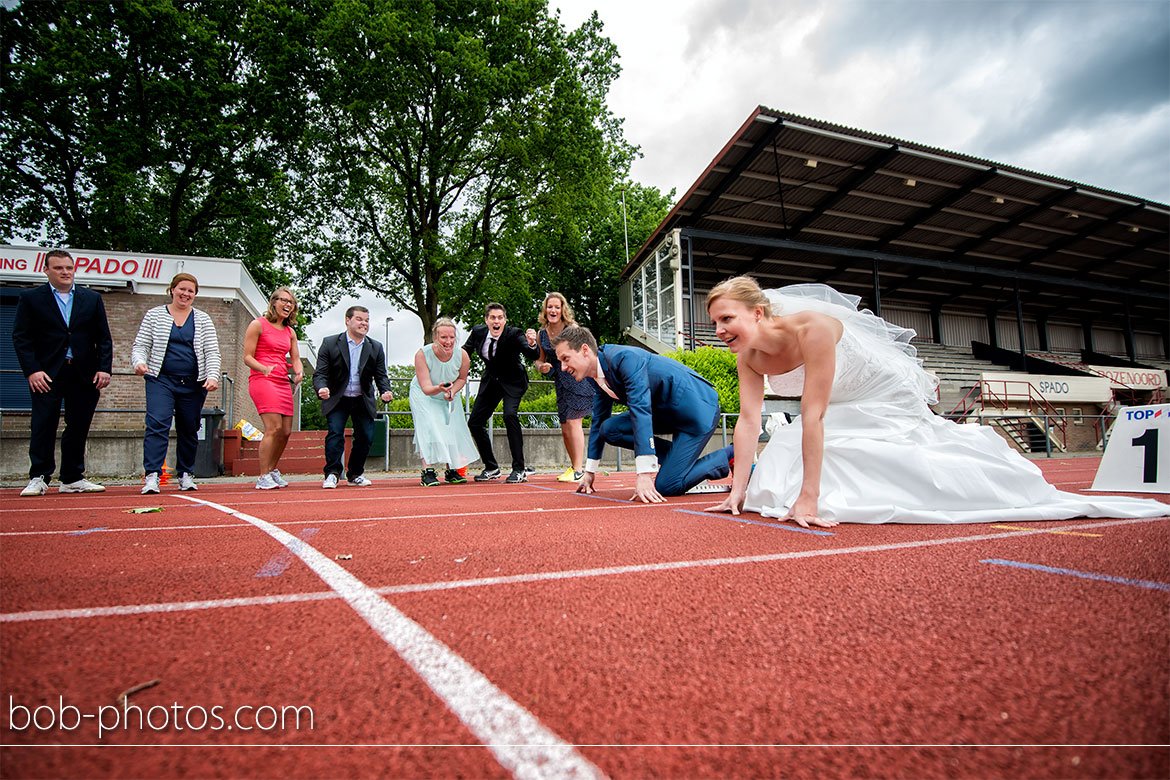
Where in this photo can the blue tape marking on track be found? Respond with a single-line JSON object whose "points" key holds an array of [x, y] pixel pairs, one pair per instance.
{"points": [[89, 531], [1087, 575], [588, 495], [781, 526], [281, 561], [620, 501]]}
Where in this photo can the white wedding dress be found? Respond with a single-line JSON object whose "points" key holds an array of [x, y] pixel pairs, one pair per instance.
{"points": [[887, 457]]}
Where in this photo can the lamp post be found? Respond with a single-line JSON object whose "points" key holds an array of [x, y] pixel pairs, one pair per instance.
{"points": [[388, 321]]}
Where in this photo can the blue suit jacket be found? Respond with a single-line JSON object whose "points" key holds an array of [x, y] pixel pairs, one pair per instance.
{"points": [[662, 394], [41, 338]]}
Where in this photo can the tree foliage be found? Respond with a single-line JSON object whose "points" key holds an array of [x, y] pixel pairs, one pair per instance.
{"points": [[583, 258], [156, 125], [445, 128], [717, 366]]}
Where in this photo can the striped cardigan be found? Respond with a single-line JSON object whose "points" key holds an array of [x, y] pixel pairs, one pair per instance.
{"points": [[150, 345]]}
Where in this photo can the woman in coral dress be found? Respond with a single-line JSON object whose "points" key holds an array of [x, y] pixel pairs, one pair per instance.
{"points": [[267, 343]]}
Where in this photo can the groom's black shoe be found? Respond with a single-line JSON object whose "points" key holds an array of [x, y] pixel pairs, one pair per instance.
{"points": [[516, 476], [487, 475]]}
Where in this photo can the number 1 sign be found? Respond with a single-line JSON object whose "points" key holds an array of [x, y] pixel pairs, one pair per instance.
{"points": [[1137, 457]]}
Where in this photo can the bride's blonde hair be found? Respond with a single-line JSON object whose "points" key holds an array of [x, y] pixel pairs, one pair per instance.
{"points": [[744, 289]]}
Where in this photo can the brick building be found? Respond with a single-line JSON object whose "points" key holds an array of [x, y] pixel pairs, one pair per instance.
{"points": [[130, 284]]}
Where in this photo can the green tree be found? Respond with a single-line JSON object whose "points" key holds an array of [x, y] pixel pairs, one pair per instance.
{"points": [[444, 129], [585, 257], [156, 125]]}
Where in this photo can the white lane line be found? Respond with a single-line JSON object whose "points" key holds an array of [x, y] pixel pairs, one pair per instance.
{"points": [[471, 515], [172, 606], [345, 496], [514, 579], [518, 740]]}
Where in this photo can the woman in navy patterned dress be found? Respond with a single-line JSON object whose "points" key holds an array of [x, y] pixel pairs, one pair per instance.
{"points": [[574, 399]]}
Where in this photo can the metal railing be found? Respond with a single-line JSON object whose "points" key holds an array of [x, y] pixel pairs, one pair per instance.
{"points": [[227, 396], [1000, 393]]}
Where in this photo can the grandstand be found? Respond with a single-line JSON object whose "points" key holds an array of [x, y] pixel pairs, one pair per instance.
{"points": [[1002, 272]]}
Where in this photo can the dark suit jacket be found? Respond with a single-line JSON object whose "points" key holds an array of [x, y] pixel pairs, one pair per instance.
{"points": [[333, 369], [41, 337], [663, 395], [507, 367]]}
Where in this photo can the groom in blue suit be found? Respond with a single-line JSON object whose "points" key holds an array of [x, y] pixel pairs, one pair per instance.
{"points": [[664, 397]]}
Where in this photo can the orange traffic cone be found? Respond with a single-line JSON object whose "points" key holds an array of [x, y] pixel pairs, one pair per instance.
{"points": [[165, 477]]}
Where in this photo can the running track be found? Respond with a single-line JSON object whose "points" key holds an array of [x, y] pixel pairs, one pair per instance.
{"points": [[525, 631]]}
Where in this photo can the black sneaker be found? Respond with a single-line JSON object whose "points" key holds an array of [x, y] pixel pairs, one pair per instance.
{"points": [[429, 479], [487, 475], [453, 477], [516, 476]]}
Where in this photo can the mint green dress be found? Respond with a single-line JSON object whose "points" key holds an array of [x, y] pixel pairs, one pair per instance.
{"points": [[440, 428]]}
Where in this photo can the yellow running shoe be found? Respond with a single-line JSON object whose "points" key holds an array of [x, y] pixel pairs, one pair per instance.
{"points": [[570, 476]]}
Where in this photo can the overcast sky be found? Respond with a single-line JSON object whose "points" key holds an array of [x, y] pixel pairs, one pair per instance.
{"points": [[1079, 90]]}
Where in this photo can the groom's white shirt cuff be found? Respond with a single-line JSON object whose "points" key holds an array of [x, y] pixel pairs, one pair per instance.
{"points": [[643, 464]]}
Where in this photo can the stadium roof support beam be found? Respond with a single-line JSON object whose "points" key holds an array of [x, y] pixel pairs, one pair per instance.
{"points": [[766, 140], [1015, 221], [851, 182], [972, 184], [963, 268], [1083, 233]]}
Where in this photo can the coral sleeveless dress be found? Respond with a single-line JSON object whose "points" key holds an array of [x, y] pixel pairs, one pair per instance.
{"points": [[272, 394]]}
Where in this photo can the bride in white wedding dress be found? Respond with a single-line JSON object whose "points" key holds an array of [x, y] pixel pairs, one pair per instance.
{"points": [[866, 447]]}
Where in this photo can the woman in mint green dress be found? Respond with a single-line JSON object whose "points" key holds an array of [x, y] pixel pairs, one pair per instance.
{"points": [[440, 429]]}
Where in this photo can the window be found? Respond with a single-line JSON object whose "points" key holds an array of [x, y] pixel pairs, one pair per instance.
{"points": [[652, 289]]}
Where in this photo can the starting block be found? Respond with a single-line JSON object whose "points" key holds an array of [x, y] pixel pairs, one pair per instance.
{"points": [[1137, 457], [707, 487]]}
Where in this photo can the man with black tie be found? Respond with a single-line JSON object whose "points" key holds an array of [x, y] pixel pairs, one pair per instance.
{"points": [[348, 366], [62, 341], [504, 378]]}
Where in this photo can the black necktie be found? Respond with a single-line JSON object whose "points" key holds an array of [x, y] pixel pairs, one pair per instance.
{"points": [[492, 349]]}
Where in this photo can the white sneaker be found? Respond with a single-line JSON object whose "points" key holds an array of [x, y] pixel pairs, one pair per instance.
{"points": [[279, 480], [266, 482], [360, 481], [187, 482], [36, 487], [330, 481], [150, 484], [82, 486]]}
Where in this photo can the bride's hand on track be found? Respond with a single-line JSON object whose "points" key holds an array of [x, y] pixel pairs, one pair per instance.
{"points": [[733, 503], [804, 513]]}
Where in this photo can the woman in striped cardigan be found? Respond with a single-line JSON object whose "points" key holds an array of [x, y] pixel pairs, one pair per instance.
{"points": [[177, 352]]}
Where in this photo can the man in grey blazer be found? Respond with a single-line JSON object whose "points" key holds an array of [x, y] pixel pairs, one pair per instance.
{"points": [[349, 365], [62, 341]]}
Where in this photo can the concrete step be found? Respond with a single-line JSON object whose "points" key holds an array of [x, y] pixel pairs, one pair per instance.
{"points": [[289, 464], [304, 453]]}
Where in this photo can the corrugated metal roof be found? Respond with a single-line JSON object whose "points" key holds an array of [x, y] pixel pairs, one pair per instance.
{"points": [[945, 229]]}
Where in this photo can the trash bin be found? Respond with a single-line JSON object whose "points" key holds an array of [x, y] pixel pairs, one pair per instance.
{"points": [[378, 445], [209, 450]]}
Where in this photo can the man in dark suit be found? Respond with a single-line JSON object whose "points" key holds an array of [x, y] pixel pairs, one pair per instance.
{"points": [[504, 378], [663, 396], [348, 366], [62, 340]]}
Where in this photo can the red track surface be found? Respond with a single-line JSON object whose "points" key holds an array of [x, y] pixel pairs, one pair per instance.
{"points": [[660, 641]]}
